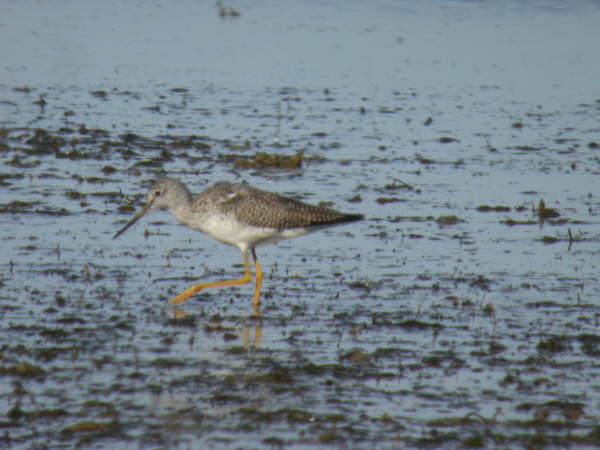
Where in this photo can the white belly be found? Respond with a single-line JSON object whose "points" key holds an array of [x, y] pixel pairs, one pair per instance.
{"points": [[245, 236]]}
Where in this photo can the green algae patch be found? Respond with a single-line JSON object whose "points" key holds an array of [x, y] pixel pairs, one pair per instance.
{"points": [[108, 170], [488, 208], [23, 370], [87, 426], [262, 160], [512, 223], [126, 209], [386, 200], [543, 212], [277, 375], [74, 195], [18, 207], [446, 221], [550, 239], [554, 344], [48, 413], [43, 142]]}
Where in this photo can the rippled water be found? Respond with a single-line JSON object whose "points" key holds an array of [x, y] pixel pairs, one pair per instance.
{"points": [[460, 313]]}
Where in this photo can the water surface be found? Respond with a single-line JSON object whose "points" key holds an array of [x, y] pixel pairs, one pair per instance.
{"points": [[460, 313]]}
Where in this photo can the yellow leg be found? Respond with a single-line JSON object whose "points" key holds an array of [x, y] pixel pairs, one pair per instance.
{"points": [[259, 278], [198, 287], [258, 331]]}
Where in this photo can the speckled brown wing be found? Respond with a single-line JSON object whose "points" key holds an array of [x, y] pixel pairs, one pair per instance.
{"points": [[268, 210]]}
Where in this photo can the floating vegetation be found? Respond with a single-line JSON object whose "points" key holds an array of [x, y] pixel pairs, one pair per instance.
{"points": [[447, 140], [487, 208], [74, 195], [19, 207], [544, 212], [386, 200], [528, 148], [512, 223], [108, 170], [127, 209], [101, 94], [87, 426], [43, 142], [399, 185], [550, 239], [227, 11], [23, 370], [263, 160], [448, 220], [554, 344]]}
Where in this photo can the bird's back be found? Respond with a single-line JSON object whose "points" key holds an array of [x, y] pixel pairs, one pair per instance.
{"points": [[263, 209]]}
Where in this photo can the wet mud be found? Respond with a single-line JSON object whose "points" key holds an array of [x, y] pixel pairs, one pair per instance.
{"points": [[463, 312]]}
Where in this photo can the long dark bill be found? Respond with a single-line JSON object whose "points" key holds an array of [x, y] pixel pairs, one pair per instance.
{"points": [[137, 217]]}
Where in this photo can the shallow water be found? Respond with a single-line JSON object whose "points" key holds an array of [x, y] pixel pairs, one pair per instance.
{"points": [[460, 313]]}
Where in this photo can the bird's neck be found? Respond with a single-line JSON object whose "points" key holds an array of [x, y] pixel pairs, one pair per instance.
{"points": [[182, 209]]}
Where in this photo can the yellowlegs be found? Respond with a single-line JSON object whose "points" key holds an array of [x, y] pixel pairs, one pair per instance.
{"points": [[238, 215]]}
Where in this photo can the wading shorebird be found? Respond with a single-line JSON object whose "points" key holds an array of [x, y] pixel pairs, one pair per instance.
{"points": [[238, 215]]}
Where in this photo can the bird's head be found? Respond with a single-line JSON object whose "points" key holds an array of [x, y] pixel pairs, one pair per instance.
{"points": [[164, 194]]}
